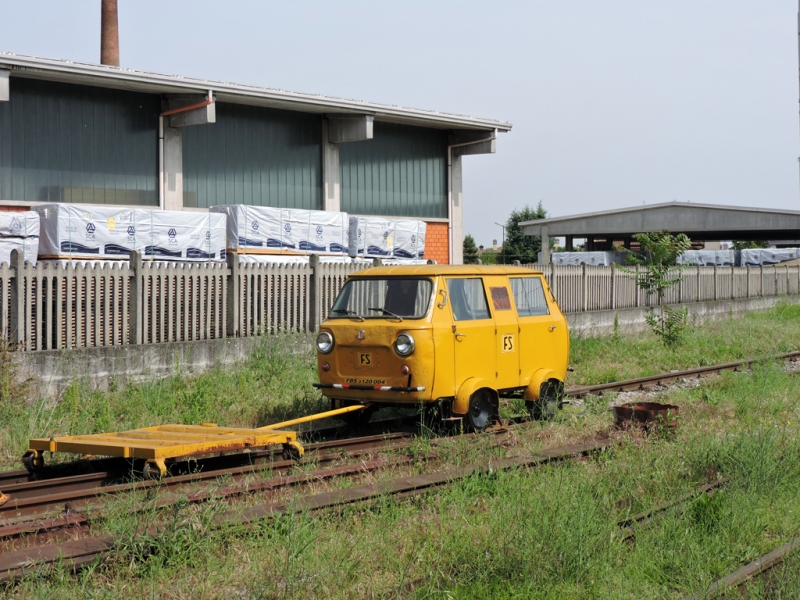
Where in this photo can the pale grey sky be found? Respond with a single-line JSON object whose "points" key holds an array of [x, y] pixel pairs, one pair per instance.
{"points": [[613, 103]]}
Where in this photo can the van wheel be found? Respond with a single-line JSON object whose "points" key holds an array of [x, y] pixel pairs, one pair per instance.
{"points": [[480, 410], [551, 397]]}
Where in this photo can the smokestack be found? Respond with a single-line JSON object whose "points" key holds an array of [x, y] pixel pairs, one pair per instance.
{"points": [[109, 33]]}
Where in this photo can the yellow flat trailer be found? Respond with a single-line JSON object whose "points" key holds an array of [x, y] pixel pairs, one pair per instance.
{"points": [[162, 443]]}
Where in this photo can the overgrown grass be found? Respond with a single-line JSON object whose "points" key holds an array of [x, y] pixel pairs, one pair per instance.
{"points": [[274, 383], [755, 334], [545, 533]]}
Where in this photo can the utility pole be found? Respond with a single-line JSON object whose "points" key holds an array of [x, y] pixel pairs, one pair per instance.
{"points": [[109, 33]]}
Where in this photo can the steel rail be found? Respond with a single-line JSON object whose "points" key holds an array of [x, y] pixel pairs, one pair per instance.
{"points": [[644, 519], [747, 572], [641, 383], [35, 498], [75, 553]]}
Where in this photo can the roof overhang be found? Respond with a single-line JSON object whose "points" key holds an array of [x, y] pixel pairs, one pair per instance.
{"points": [[154, 83], [698, 221]]}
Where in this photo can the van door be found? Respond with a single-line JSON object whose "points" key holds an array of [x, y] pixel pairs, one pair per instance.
{"points": [[539, 344], [506, 336], [473, 330]]}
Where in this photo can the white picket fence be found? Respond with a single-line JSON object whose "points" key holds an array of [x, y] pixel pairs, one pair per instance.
{"points": [[63, 304]]}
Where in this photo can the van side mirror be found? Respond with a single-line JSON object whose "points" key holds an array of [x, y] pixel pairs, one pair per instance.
{"points": [[443, 303]]}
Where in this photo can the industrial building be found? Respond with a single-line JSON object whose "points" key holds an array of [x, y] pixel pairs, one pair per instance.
{"points": [[701, 222], [99, 134]]}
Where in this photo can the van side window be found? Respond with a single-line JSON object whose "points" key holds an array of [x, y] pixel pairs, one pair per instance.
{"points": [[467, 299], [529, 296]]}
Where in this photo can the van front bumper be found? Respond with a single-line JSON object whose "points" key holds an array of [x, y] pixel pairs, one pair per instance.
{"points": [[370, 388]]}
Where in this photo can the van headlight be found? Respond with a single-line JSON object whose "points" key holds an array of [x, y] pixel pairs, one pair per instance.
{"points": [[324, 342], [404, 344]]}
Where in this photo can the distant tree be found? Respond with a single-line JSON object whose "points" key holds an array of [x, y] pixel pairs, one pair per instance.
{"points": [[521, 247], [749, 244], [470, 251], [489, 257]]}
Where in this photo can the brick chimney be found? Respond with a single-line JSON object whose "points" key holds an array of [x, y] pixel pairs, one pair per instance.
{"points": [[109, 33]]}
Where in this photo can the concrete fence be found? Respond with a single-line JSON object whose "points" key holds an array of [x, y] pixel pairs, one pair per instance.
{"points": [[73, 304], [582, 288]]}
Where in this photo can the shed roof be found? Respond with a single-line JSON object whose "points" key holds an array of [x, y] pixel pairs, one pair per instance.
{"points": [[698, 221], [130, 79]]}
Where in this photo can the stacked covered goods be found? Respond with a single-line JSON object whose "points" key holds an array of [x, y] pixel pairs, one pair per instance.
{"points": [[708, 258], [19, 231], [374, 237], [100, 232], [598, 258], [268, 230], [768, 256]]}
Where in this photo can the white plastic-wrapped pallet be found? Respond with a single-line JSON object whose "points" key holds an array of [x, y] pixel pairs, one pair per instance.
{"points": [[28, 246], [768, 256], [708, 258], [268, 230], [96, 232], [19, 224], [173, 235], [374, 237]]}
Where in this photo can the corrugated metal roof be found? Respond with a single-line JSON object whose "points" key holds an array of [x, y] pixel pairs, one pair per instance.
{"points": [[118, 77]]}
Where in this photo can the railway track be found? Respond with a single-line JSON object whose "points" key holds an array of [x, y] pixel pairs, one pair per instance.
{"points": [[32, 502], [76, 553], [642, 383]]}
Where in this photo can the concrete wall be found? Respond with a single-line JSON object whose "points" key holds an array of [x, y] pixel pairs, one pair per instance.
{"points": [[631, 320], [47, 373]]}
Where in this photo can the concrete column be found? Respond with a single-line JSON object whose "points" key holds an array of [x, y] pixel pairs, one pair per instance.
{"points": [[173, 168], [568, 242], [457, 211], [331, 172], [545, 246], [5, 88]]}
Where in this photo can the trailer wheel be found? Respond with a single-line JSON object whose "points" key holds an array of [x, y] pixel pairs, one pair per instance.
{"points": [[33, 461], [481, 409]]}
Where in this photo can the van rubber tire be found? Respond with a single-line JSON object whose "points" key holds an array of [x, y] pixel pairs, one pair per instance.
{"points": [[550, 400], [480, 411]]}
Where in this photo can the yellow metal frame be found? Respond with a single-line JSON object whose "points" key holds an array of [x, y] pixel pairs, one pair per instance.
{"points": [[162, 442]]}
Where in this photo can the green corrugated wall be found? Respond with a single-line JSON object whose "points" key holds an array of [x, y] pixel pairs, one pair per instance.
{"points": [[62, 142], [402, 171], [256, 156]]}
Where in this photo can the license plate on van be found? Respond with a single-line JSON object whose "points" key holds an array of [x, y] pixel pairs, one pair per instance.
{"points": [[365, 381]]}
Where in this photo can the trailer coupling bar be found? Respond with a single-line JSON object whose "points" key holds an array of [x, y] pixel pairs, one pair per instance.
{"points": [[369, 388]]}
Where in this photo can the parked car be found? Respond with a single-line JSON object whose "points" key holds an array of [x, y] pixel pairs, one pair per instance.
{"points": [[454, 339]]}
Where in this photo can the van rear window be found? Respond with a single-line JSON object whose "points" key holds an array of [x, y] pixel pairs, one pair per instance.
{"points": [[529, 296]]}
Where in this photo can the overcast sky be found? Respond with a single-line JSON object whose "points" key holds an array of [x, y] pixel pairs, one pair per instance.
{"points": [[614, 103]]}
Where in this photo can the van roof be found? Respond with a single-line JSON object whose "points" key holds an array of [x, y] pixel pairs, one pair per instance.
{"points": [[434, 270]]}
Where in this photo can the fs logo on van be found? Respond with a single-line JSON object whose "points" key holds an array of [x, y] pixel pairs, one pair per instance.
{"points": [[90, 231]]}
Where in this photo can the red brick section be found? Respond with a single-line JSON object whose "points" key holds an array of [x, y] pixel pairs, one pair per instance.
{"points": [[437, 245], [14, 208]]}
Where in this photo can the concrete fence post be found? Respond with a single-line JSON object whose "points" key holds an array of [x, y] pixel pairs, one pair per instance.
{"points": [[232, 295], [698, 284], [748, 280], [585, 288], [715, 283], [314, 290], [135, 299], [16, 313], [733, 282], [761, 270], [613, 286]]}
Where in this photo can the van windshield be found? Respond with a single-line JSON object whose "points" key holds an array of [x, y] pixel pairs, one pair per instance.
{"points": [[391, 297]]}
